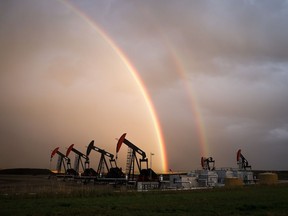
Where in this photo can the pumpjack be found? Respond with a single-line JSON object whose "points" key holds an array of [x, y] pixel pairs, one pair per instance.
{"points": [[242, 162], [61, 160], [146, 174], [113, 171], [205, 163], [78, 160]]}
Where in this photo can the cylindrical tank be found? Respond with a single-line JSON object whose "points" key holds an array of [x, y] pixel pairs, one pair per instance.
{"points": [[268, 178], [233, 181]]}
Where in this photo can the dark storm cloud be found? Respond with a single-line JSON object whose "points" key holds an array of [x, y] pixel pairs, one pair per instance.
{"points": [[206, 33]]}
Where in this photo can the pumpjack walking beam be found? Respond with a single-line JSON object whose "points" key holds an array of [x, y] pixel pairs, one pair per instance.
{"points": [[103, 160]]}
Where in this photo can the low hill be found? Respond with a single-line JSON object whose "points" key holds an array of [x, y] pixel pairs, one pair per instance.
{"points": [[25, 171]]}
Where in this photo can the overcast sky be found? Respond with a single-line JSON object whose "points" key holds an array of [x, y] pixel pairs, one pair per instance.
{"points": [[215, 71]]}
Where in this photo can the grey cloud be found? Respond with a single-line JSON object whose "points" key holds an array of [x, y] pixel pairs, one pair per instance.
{"points": [[279, 133]]}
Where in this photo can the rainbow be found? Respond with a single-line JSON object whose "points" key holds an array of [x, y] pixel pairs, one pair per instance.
{"points": [[133, 72], [179, 65]]}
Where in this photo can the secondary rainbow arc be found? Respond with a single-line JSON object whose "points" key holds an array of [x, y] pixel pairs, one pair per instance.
{"points": [[193, 102]]}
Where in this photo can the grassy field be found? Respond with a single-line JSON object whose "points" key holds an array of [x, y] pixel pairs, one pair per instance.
{"points": [[40, 196]]}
